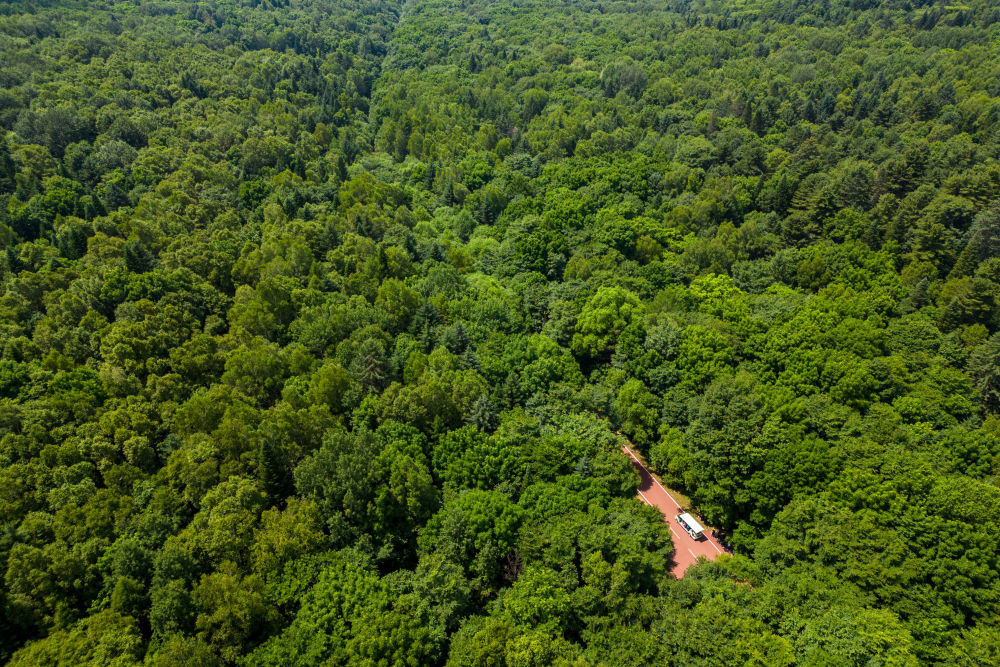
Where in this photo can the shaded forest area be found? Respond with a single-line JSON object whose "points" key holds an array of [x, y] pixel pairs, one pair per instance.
{"points": [[318, 321]]}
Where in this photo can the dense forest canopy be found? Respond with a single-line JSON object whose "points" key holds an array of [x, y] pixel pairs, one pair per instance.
{"points": [[322, 325]]}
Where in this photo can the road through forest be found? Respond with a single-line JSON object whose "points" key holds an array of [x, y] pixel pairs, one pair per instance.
{"points": [[686, 550]]}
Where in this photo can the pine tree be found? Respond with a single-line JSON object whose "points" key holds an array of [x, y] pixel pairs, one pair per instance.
{"points": [[137, 258], [429, 175], [483, 415], [984, 367], [274, 471], [7, 169]]}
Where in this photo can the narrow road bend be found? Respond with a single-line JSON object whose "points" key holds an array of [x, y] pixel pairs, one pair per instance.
{"points": [[686, 550]]}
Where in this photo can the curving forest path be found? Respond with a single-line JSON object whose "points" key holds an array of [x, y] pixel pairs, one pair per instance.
{"points": [[686, 550]]}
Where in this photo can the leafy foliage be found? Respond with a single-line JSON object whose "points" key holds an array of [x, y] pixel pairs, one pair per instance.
{"points": [[321, 325]]}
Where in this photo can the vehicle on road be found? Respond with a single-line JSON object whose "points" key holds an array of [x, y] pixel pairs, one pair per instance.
{"points": [[691, 526]]}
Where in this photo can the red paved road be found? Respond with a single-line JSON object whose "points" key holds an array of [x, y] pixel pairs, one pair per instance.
{"points": [[686, 550]]}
